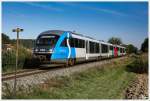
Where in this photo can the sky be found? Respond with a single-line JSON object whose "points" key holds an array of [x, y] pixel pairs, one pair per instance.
{"points": [[100, 20]]}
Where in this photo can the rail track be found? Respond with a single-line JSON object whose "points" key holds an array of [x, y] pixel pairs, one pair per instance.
{"points": [[18, 71], [28, 72], [22, 73]]}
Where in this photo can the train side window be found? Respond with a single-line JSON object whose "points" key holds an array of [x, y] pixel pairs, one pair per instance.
{"points": [[72, 42], [104, 48], [91, 47], [80, 43], [83, 43], [111, 47], [123, 50], [87, 47], [97, 48], [76, 42]]}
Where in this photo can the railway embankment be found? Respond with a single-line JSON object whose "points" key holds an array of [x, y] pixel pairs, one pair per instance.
{"points": [[138, 88], [107, 79]]}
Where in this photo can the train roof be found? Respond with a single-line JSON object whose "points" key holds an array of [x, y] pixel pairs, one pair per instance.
{"points": [[59, 32]]}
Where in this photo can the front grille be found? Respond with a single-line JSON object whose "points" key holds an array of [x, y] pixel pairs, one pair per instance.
{"points": [[43, 57], [48, 57]]}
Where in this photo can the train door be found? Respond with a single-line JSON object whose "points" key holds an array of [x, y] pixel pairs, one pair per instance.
{"points": [[115, 51], [87, 49]]}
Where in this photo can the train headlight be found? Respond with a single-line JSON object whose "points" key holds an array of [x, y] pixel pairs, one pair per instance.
{"points": [[36, 50], [50, 50]]}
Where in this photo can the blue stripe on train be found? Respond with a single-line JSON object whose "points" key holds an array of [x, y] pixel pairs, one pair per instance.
{"points": [[60, 52]]}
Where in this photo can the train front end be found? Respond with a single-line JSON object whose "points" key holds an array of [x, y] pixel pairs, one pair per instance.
{"points": [[45, 44], [53, 46]]}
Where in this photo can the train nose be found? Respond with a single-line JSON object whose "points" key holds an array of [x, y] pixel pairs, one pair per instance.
{"points": [[44, 57]]}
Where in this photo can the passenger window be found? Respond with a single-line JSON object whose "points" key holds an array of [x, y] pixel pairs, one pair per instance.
{"points": [[104, 48], [111, 47], [76, 43], [97, 48], [72, 42]]}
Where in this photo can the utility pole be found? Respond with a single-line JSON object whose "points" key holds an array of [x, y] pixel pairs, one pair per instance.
{"points": [[17, 46]]}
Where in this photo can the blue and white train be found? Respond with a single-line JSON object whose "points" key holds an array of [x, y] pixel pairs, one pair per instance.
{"points": [[57, 46]]}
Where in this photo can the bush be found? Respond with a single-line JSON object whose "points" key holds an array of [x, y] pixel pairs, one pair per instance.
{"points": [[9, 58], [139, 65]]}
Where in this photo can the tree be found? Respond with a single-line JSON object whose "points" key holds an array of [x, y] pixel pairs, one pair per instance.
{"points": [[5, 39], [144, 46], [131, 49], [115, 40]]}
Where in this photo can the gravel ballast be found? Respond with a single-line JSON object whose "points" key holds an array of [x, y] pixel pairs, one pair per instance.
{"points": [[35, 79]]}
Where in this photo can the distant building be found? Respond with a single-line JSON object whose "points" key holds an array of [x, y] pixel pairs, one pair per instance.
{"points": [[7, 47]]}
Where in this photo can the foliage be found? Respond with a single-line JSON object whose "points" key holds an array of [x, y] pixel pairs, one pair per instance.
{"points": [[131, 49], [115, 40], [144, 46], [5, 39], [28, 43], [139, 65], [9, 58]]}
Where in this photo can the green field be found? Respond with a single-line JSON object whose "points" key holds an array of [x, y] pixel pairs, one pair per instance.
{"points": [[106, 82]]}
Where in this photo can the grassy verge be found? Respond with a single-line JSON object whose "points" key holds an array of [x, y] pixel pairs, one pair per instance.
{"points": [[106, 82]]}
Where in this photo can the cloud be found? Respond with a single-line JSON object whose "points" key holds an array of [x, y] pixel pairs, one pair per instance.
{"points": [[109, 11], [104, 10], [47, 7]]}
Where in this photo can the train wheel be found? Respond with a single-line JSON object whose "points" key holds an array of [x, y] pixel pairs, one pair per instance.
{"points": [[67, 64], [71, 62]]}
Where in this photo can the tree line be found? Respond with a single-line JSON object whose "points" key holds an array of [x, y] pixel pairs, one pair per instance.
{"points": [[27, 43], [130, 48]]}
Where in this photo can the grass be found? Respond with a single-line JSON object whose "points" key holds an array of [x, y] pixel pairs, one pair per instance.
{"points": [[139, 64], [106, 82]]}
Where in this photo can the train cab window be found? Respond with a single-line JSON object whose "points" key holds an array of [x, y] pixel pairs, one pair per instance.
{"points": [[104, 48], [50, 40]]}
